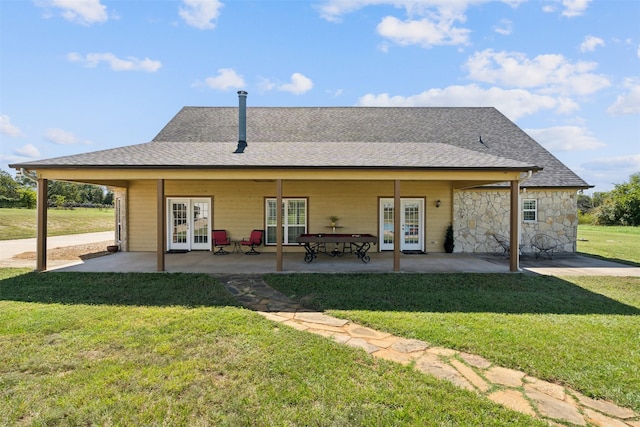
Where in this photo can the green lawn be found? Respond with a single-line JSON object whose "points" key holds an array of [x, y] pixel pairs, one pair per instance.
{"points": [[132, 349], [21, 223], [580, 331], [175, 349], [620, 244]]}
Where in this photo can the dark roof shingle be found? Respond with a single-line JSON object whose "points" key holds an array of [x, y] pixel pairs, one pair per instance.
{"points": [[414, 137]]}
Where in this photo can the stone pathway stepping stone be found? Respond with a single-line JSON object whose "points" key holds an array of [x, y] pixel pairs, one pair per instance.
{"points": [[508, 387]]}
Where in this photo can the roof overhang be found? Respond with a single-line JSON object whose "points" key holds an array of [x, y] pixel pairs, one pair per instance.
{"points": [[120, 177]]}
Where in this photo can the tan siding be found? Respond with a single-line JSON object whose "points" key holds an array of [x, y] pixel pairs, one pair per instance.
{"points": [[142, 216], [238, 206]]}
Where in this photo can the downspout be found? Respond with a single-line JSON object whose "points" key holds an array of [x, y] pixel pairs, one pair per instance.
{"points": [[526, 177], [27, 175]]}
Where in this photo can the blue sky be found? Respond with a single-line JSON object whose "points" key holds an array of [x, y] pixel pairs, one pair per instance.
{"points": [[86, 75]]}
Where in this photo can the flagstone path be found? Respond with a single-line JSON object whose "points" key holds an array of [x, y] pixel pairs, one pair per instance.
{"points": [[513, 389]]}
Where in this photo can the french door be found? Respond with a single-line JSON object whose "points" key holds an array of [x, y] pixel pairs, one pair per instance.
{"points": [[411, 224], [189, 225]]}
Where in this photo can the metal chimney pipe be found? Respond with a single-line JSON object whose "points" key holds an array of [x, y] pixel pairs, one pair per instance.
{"points": [[242, 121]]}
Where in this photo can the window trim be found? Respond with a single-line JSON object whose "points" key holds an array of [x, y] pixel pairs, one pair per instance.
{"points": [[528, 210], [285, 201]]}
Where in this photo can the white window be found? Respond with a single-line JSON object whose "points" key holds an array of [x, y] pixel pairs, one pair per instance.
{"points": [[529, 210], [294, 220]]}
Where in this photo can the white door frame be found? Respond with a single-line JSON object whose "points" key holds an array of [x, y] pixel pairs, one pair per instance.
{"points": [[189, 226], [413, 231]]}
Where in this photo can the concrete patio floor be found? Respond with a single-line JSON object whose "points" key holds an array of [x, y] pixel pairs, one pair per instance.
{"points": [[207, 262]]}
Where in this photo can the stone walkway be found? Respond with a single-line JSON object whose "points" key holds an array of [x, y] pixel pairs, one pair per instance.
{"points": [[513, 389]]}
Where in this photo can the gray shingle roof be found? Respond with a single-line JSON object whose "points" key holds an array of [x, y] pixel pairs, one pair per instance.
{"points": [[285, 154], [447, 138]]}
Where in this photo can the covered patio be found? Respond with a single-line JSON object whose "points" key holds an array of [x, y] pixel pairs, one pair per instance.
{"points": [[206, 262], [381, 262]]}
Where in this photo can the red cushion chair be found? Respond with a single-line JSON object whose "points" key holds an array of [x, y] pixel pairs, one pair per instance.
{"points": [[220, 239], [255, 239]]}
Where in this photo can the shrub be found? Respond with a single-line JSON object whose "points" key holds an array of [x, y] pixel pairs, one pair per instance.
{"points": [[586, 218]]}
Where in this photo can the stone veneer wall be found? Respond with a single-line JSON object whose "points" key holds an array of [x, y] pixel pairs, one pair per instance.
{"points": [[478, 214]]}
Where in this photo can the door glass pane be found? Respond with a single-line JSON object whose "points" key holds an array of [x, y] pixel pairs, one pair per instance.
{"points": [[411, 223], [179, 222], [387, 223], [201, 222], [271, 221]]}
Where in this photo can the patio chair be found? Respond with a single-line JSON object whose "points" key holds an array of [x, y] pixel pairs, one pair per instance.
{"points": [[220, 240], [255, 239], [505, 245], [544, 244]]}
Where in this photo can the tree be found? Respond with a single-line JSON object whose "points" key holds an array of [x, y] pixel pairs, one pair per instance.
{"points": [[21, 192], [108, 198], [8, 186], [9, 191], [621, 206], [585, 203], [28, 197]]}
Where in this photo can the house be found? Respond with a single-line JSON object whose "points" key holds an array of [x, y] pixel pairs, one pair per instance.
{"points": [[377, 169]]}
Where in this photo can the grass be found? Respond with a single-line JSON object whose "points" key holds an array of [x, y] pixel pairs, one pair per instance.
{"points": [[583, 332], [174, 349], [21, 223], [621, 244], [121, 349]]}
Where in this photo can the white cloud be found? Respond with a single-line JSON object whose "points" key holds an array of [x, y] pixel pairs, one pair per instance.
{"points": [[630, 164], [28, 150], [505, 27], [84, 12], [8, 128], [425, 23], [574, 7], [227, 78], [565, 138], [570, 9], [265, 84], [514, 103], [590, 43], [299, 84], [333, 10], [201, 13], [131, 63], [549, 73], [383, 47], [63, 137], [628, 103], [423, 32]]}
